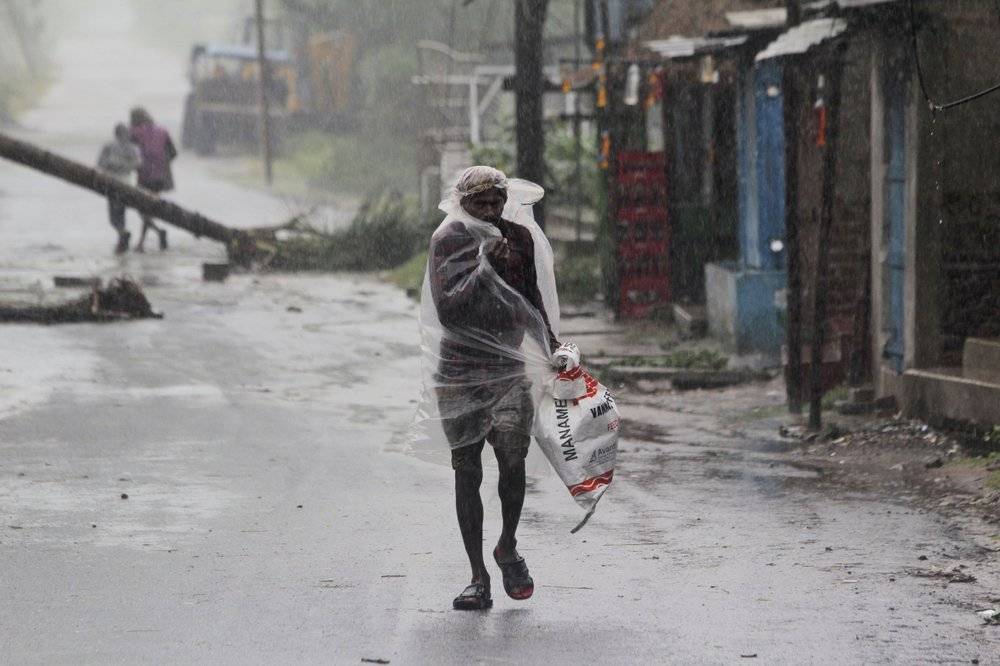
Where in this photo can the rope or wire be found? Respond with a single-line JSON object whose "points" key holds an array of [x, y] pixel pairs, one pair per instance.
{"points": [[935, 106]]}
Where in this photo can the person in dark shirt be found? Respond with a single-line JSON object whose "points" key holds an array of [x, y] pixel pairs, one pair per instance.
{"points": [[481, 386]]}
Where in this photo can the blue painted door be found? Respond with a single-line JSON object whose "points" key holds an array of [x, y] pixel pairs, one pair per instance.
{"points": [[770, 165], [895, 215]]}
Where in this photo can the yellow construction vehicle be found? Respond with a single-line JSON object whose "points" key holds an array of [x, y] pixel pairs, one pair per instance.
{"points": [[311, 84]]}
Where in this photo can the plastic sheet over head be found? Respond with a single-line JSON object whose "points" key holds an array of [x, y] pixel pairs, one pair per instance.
{"points": [[487, 352]]}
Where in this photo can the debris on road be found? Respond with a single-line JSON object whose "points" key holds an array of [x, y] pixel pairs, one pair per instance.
{"points": [[990, 616], [214, 272], [76, 281], [955, 575], [122, 299]]}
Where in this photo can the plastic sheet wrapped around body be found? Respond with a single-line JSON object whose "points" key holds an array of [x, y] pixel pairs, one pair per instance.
{"points": [[486, 343], [576, 425]]}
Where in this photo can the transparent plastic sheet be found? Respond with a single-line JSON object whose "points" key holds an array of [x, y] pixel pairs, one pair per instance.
{"points": [[486, 349]]}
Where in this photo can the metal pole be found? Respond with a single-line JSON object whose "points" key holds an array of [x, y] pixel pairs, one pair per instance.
{"points": [[264, 80], [577, 128]]}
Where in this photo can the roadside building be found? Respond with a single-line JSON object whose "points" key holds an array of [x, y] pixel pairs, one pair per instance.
{"points": [[935, 214]]}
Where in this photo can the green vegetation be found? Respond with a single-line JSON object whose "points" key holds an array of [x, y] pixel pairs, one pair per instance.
{"points": [[989, 461], [384, 234], [560, 163], [834, 395], [687, 359], [982, 461], [18, 94], [410, 276], [578, 278], [353, 163]]}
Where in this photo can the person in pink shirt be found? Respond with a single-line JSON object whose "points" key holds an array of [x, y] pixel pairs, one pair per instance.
{"points": [[157, 152]]}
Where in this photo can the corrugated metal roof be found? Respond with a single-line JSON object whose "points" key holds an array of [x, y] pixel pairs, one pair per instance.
{"points": [[803, 37], [758, 19], [686, 47]]}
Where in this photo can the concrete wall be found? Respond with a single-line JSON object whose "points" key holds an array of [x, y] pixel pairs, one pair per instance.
{"points": [[741, 309]]}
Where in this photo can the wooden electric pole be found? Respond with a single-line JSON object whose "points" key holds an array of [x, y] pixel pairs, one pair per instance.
{"points": [[529, 89], [264, 80], [820, 278], [793, 335], [39, 159]]}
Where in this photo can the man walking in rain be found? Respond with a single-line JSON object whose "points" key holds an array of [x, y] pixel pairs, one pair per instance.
{"points": [[119, 158], [487, 322]]}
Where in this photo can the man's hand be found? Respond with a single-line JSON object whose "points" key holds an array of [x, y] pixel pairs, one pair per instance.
{"points": [[566, 357], [500, 252]]}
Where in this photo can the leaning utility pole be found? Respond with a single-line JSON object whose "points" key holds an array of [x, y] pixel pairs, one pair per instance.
{"points": [[793, 335], [264, 80], [529, 89]]}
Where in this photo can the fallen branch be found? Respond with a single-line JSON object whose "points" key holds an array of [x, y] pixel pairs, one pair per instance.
{"points": [[121, 299]]}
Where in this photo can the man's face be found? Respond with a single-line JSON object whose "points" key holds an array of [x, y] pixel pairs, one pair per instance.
{"points": [[487, 205]]}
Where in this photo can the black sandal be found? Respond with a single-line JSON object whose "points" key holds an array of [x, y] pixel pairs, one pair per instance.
{"points": [[517, 582], [474, 597]]}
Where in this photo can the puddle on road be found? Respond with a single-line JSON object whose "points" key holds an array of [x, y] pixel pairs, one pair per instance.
{"points": [[652, 456]]}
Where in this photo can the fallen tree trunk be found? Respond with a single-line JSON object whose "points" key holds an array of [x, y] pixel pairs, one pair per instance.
{"points": [[240, 244]]}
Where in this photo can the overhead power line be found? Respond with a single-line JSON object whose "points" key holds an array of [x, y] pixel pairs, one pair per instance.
{"points": [[937, 106]]}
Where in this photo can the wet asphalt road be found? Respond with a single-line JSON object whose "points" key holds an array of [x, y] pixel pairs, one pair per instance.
{"points": [[271, 518]]}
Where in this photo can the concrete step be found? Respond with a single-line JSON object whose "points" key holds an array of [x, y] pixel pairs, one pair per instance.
{"points": [[981, 359], [941, 394]]}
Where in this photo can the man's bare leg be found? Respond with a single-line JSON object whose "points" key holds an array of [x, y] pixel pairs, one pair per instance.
{"points": [[469, 507], [517, 581], [511, 490]]}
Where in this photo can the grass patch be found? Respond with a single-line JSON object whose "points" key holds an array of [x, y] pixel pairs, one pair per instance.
{"points": [[993, 481], [688, 359], [835, 395], [410, 276], [977, 462]]}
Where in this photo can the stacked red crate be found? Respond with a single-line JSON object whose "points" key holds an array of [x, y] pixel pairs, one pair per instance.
{"points": [[640, 205]]}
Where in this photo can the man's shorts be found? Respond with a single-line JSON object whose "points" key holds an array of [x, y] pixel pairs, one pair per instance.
{"points": [[503, 415]]}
